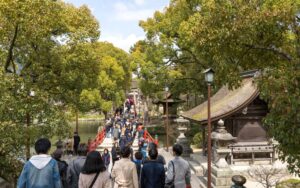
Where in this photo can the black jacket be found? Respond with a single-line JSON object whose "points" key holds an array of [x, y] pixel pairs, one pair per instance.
{"points": [[153, 175]]}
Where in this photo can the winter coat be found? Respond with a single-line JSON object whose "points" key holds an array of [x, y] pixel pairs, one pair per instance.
{"points": [[40, 171], [74, 170], [122, 142], [106, 159], [102, 181], [124, 174], [153, 175], [116, 133]]}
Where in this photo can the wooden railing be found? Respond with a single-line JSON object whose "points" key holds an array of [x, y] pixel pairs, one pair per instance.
{"points": [[98, 140], [149, 138]]}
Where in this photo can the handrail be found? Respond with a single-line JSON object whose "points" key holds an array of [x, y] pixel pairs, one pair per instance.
{"points": [[147, 136], [98, 140]]}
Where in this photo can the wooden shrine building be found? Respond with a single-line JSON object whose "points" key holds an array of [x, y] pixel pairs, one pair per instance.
{"points": [[242, 111]]}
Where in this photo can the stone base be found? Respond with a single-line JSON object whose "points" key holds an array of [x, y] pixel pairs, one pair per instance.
{"points": [[221, 177]]}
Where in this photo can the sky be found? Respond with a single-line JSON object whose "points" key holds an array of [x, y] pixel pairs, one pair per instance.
{"points": [[119, 19]]}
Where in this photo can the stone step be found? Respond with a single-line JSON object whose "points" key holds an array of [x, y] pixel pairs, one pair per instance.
{"points": [[196, 167]]}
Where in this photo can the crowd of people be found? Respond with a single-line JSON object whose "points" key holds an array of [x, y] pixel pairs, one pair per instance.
{"points": [[118, 168]]}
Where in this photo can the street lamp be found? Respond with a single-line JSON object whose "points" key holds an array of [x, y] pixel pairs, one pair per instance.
{"points": [[209, 77], [167, 117]]}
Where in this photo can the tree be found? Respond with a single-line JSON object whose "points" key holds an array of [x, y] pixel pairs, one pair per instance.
{"points": [[38, 40], [234, 36], [267, 176]]}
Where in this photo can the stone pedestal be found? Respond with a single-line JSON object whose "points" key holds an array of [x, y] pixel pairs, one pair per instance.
{"points": [[221, 172], [221, 178], [183, 141]]}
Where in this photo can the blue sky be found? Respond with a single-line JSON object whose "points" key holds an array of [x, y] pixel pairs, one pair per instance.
{"points": [[119, 18]]}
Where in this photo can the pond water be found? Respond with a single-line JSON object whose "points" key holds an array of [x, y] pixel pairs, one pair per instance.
{"points": [[86, 129]]}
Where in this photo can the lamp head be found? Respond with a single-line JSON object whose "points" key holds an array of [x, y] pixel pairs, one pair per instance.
{"points": [[166, 88], [209, 75]]}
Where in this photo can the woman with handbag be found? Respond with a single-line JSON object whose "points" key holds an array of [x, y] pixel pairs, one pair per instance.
{"points": [[93, 173]]}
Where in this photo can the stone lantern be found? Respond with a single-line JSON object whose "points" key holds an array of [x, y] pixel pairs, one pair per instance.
{"points": [[181, 139], [221, 140]]}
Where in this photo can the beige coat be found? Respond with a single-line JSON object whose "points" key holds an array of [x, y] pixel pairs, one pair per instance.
{"points": [[103, 180], [124, 174]]}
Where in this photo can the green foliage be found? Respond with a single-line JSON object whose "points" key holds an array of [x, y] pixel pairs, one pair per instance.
{"points": [[197, 139], [230, 36], [290, 183], [51, 48]]}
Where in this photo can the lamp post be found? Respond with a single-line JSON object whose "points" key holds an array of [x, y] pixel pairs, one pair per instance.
{"points": [[167, 118], [209, 77]]}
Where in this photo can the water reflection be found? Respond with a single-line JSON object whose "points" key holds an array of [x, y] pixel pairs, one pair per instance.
{"points": [[87, 129]]}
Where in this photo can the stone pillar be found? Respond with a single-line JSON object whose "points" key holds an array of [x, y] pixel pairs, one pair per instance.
{"points": [[221, 171], [181, 139]]}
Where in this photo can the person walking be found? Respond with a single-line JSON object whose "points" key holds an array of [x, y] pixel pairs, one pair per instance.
{"points": [[124, 171], [106, 158], [116, 132], [76, 142], [159, 158], [41, 170], [138, 162], [93, 173], [178, 171], [62, 166], [76, 165], [153, 172], [115, 153]]}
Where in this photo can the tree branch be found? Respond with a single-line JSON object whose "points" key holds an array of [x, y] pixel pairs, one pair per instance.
{"points": [[271, 49], [10, 50]]}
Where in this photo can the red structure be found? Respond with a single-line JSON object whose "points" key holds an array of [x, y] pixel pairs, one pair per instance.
{"points": [[98, 140]]}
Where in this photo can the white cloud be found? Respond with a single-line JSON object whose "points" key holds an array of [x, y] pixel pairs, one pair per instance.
{"points": [[132, 13], [123, 42], [139, 2]]}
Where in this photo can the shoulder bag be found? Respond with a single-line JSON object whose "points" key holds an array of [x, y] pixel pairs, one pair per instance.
{"points": [[94, 180], [171, 184]]}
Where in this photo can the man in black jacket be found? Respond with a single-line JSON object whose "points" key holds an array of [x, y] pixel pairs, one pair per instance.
{"points": [[153, 172]]}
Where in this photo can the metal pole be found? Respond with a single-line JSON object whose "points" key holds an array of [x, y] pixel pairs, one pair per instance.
{"points": [[167, 121], [208, 140]]}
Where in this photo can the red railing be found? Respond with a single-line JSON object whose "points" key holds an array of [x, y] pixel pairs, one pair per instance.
{"points": [[149, 138], [98, 140]]}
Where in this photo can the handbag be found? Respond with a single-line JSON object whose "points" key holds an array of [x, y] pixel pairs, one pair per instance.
{"points": [[171, 184], [94, 180]]}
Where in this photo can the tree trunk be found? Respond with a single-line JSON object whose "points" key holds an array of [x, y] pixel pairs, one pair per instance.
{"points": [[27, 136], [105, 115]]}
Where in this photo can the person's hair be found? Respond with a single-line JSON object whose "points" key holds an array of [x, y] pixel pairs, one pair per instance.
{"points": [[153, 153], [82, 149], [42, 146], [93, 163], [57, 154], [125, 152], [152, 145], [177, 149], [105, 150], [138, 155]]}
